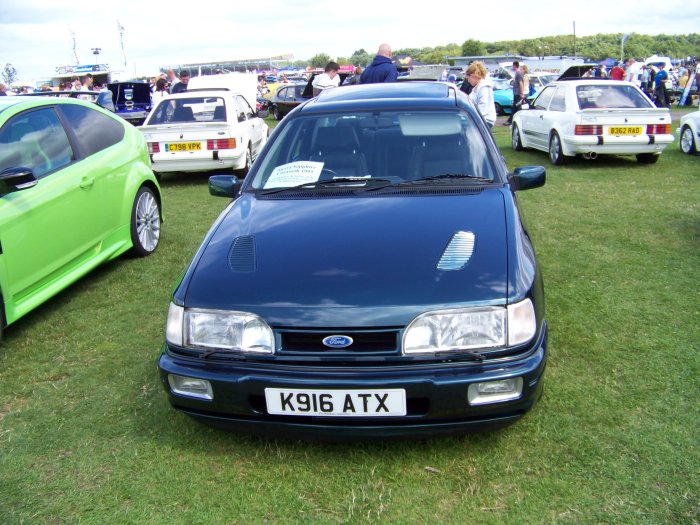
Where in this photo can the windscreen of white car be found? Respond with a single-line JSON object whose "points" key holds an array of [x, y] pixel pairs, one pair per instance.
{"points": [[600, 96], [187, 110], [392, 146]]}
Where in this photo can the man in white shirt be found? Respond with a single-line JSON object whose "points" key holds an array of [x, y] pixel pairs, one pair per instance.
{"points": [[328, 79], [633, 70], [87, 86]]}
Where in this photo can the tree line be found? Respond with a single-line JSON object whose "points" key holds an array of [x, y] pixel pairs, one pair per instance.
{"points": [[595, 48]]}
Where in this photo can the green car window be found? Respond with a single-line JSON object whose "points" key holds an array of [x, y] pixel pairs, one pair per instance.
{"points": [[93, 130], [35, 140]]}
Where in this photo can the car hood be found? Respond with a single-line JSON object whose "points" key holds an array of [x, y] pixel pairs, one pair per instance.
{"points": [[359, 261]]}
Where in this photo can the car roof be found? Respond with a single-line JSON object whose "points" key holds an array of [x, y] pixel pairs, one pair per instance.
{"points": [[8, 101], [33, 100], [590, 81], [204, 92], [399, 95]]}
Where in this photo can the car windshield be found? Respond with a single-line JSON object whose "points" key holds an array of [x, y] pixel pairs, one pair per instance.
{"points": [[501, 83], [546, 79], [606, 96], [193, 109], [394, 147]]}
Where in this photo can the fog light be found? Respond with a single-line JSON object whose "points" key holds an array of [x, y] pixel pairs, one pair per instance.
{"points": [[495, 391], [190, 386]]}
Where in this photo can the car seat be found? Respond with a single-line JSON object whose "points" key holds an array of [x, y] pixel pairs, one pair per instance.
{"points": [[183, 114], [440, 155], [339, 149], [220, 113]]}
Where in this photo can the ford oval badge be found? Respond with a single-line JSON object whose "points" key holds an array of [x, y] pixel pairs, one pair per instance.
{"points": [[337, 341]]}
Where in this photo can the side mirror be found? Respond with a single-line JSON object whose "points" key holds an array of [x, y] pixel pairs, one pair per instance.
{"points": [[16, 179], [263, 113], [527, 177], [224, 186]]}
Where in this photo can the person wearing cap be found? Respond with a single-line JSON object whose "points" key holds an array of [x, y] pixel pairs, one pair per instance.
{"points": [[660, 87]]}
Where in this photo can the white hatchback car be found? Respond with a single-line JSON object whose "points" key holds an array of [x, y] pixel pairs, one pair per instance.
{"points": [[592, 117], [689, 130], [203, 130]]}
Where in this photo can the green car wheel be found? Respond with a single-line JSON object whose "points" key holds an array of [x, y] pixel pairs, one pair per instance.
{"points": [[145, 222]]}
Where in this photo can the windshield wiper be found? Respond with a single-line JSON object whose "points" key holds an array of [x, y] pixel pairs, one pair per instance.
{"points": [[433, 178], [351, 181], [452, 176]]}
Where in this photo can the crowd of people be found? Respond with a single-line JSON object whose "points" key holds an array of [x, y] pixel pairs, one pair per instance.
{"points": [[652, 78]]}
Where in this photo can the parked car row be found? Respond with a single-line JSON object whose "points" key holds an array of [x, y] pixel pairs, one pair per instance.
{"points": [[372, 276]]}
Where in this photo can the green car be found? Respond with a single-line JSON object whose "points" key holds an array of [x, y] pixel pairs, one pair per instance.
{"points": [[76, 190]]}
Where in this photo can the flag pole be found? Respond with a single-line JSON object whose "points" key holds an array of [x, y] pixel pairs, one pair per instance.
{"points": [[120, 27]]}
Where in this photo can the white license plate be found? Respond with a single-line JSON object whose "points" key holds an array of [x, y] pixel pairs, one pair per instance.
{"points": [[336, 403]]}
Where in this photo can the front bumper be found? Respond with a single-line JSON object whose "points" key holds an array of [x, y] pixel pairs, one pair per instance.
{"points": [[436, 395]]}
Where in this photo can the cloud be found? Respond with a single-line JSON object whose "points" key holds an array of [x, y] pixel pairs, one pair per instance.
{"points": [[37, 38]]}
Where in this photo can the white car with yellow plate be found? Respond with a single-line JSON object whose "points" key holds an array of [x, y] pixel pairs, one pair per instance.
{"points": [[210, 126], [592, 117]]}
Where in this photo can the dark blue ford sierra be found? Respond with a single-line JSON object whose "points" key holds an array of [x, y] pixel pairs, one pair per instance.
{"points": [[371, 278]]}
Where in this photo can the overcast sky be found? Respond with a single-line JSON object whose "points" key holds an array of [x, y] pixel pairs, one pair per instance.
{"points": [[36, 35]]}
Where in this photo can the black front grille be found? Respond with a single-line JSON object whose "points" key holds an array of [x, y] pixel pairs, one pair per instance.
{"points": [[382, 341]]}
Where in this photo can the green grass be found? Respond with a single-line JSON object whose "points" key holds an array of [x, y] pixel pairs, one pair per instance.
{"points": [[87, 435]]}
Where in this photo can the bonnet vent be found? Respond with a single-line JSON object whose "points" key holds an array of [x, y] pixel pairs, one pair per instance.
{"points": [[458, 251], [241, 257]]}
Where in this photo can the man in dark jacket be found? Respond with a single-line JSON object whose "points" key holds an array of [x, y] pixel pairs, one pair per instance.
{"points": [[382, 69]]}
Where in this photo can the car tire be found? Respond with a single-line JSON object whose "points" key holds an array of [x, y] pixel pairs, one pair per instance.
{"points": [[145, 222], [555, 153], [499, 110], [515, 138], [687, 141], [241, 173], [276, 114], [647, 158]]}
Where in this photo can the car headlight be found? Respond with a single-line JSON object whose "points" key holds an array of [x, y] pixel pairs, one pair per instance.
{"points": [[471, 328], [218, 329]]}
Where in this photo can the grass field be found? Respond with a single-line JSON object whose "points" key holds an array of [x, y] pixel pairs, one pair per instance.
{"points": [[87, 435]]}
